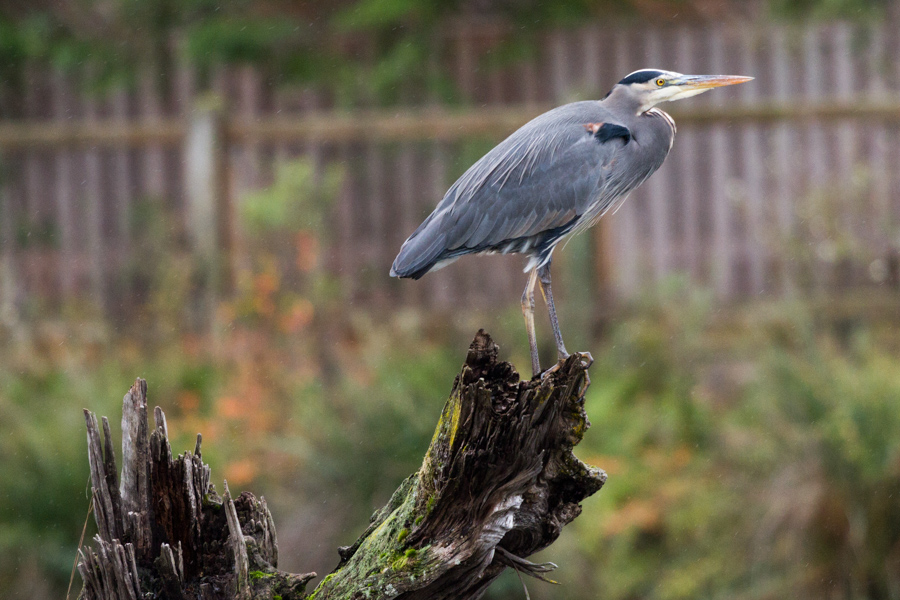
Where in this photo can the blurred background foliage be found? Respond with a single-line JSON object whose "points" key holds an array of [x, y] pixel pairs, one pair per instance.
{"points": [[753, 450]]}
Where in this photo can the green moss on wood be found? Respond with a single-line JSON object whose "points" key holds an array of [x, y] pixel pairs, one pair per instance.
{"points": [[381, 562], [254, 575], [454, 421], [321, 585]]}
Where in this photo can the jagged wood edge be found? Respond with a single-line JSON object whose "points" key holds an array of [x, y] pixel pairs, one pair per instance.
{"points": [[144, 515], [429, 541], [416, 546]]}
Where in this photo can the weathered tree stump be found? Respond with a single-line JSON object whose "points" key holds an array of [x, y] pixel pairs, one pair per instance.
{"points": [[498, 483]]}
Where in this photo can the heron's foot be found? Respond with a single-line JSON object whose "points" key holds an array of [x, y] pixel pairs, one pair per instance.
{"points": [[551, 370], [522, 565], [586, 361]]}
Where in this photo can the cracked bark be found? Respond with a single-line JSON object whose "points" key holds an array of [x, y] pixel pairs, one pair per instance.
{"points": [[498, 483]]}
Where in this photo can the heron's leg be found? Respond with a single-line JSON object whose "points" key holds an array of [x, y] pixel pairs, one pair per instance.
{"points": [[528, 311], [544, 275]]}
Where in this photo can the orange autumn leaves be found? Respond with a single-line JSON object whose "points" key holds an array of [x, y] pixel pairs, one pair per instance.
{"points": [[307, 247], [263, 354], [647, 513], [244, 407], [283, 225], [267, 293]]}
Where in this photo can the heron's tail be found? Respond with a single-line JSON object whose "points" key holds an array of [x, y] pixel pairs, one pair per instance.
{"points": [[421, 252]]}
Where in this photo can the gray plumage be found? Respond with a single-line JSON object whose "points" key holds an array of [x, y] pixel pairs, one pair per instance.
{"points": [[548, 179], [555, 176]]}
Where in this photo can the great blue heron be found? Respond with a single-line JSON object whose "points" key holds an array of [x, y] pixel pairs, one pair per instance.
{"points": [[554, 177]]}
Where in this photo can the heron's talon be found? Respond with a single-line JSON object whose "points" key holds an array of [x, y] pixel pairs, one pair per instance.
{"points": [[586, 359], [551, 370]]}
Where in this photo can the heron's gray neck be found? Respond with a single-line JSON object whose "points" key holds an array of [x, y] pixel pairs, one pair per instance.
{"points": [[622, 101]]}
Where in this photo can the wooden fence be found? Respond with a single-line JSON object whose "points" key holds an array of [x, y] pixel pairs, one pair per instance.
{"points": [[785, 185]]}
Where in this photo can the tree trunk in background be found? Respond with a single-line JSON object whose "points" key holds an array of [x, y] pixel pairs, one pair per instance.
{"points": [[497, 484]]}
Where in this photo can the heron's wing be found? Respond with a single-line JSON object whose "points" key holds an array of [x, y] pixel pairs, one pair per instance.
{"points": [[531, 189], [544, 176]]}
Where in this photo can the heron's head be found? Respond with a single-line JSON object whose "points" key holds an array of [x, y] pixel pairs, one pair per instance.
{"points": [[646, 88]]}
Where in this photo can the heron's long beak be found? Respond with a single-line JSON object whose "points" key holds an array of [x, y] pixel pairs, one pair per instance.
{"points": [[705, 82]]}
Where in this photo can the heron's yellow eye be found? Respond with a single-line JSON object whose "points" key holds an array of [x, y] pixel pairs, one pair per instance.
{"points": [[660, 82]]}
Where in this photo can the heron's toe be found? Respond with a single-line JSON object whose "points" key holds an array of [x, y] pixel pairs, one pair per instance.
{"points": [[552, 369], [586, 359]]}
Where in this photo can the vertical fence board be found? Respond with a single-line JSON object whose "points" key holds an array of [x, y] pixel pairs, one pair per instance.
{"points": [[9, 280], [846, 141], [891, 67], [559, 78], [784, 162], [686, 157], [35, 193], [207, 191], [529, 82], [122, 180], [348, 249], [65, 194], [93, 196], [817, 175], [593, 72], [466, 66], [151, 108], [752, 154], [371, 225], [876, 133], [720, 151], [248, 157]]}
